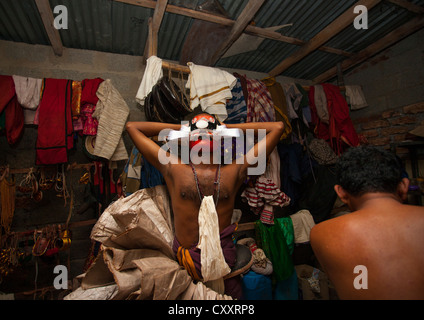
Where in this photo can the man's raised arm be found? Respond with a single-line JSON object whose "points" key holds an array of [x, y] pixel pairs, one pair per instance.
{"points": [[273, 131]]}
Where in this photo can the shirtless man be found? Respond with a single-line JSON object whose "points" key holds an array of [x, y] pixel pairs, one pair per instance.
{"points": [[382, 235], [185, 195]]}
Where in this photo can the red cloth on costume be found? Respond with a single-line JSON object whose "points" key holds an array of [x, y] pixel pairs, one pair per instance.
{"points": [[340, 128], [14, 113], [88, 103], [55, 122], [89, 89]]}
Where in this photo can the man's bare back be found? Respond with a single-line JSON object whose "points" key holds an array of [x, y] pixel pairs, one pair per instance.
{"points": [[377, 251], [392, 253]]}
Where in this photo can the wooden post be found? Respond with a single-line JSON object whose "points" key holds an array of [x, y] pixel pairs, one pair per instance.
{"points": [[48, 20]]}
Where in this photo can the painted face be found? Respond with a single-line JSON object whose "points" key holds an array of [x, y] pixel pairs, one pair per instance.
{"points": [[201, 132]]}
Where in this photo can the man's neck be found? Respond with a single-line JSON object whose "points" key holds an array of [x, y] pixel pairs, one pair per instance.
{"points": [[374, 199]]}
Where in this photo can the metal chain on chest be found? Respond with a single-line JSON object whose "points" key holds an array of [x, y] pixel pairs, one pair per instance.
{"points": [[217, 183]]}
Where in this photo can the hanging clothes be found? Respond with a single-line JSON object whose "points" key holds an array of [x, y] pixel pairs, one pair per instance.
{"points": [[340, 128], [280, 104], [294, 98], [88, 103], [13, 112], [76, 99], [314, 114], [279, 251], [76, 106], [278, 97], [89, 124], [296, 102], [210, 88], [236, 106], [112, 113], [304, 105], [28, 92], [55, 129], [151, 76], [303, 222], [243, 84], [260, 107], [262, 195], [355, 97], [88, 90], [320, 101]]}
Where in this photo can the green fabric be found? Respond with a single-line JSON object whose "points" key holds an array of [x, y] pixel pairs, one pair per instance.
{"points": [[277, 242]]}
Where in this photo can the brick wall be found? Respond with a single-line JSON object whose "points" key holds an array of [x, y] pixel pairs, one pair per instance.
{"points": [[392, 126]]}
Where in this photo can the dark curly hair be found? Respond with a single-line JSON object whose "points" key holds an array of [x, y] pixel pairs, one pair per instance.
{"points": [[366, 169]]}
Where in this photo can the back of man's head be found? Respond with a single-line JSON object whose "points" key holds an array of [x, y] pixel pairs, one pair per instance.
{"points": [[366, 169]]}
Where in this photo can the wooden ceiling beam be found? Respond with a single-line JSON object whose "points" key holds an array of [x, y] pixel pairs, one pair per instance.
{"points": [[48, 20], [408, 5], [151, 47], [251, 30], [322, 37], [381, 44], [273, 35], [245, 17]]}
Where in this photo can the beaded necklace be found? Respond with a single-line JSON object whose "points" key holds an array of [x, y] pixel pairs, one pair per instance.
{"points": [[217, 183]]}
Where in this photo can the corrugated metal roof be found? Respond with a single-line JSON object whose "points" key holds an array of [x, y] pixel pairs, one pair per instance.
{"points": [[20, 21], [110, 26]]}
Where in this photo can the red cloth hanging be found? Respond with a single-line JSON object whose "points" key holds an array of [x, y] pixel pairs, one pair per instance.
{"points": [[88, 104], [14, 113], [55, 122], [340, 132], [89, 89]]}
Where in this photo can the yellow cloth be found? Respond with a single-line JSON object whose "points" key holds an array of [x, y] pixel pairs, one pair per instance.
{"points": [[185, 260]]}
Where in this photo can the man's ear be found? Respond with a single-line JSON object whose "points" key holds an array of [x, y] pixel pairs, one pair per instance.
{"points": [[402, 189], [343, 195]]}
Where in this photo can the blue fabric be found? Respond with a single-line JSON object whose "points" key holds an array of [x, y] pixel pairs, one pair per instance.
{"points": [[287, 289], [150, 176], [257, 286], [236, 106]]}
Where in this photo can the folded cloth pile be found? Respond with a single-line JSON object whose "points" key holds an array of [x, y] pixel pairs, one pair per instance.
{"points": [[210, 87]]}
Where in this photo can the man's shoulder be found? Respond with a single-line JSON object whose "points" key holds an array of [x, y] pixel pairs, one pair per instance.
{"points": [[333, 225], [336, 232]]}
